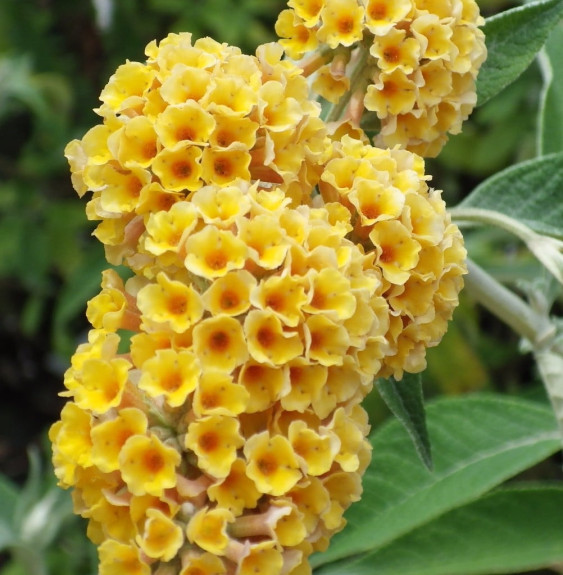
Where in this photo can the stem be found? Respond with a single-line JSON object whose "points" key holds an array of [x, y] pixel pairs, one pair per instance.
{"points": [[337, 111], [481, 216], [508, 307]]}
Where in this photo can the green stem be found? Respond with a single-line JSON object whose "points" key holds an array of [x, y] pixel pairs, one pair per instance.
{"points": [[481, 216], [357, 76], [508, 307]]}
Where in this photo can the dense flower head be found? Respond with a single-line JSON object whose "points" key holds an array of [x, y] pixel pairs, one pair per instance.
{"points": [[419, 252], [214, 423], [199, 426], [195, 114], [416, 62]]}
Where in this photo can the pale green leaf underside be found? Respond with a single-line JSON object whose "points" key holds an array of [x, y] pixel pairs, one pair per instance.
{"points": [[551, 112], [513, 39], [477, 441], [507, 531], [404, 399], [531, 192]]}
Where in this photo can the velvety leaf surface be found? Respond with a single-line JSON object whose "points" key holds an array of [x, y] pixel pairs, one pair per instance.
{"points": [[404, 399], [478, 442], [513, 39], [507, 531], [551, 111], [530, 191]]}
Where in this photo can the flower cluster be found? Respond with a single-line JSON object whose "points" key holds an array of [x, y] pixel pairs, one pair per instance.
{"points": [[420, 253], [193, 115], [214, 423], [412, 62], [229, 430]]}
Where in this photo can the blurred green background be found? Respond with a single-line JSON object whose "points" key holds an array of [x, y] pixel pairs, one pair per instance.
{"points": [[55, 57]]}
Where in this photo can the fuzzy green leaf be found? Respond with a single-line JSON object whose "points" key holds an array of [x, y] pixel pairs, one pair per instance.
{"points": [[507, 531], [513, 38], [531, 192], [478, 442], [404, 399], [551, 110]]}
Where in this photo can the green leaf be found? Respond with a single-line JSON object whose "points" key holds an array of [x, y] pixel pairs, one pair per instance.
{"points": [[531, 192], [404, 399], [551, 110], [478, 442], [507, 531], [513, 39]]}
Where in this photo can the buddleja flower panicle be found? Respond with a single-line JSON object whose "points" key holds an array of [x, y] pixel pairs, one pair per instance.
{"points": [[417, 62], [217, 420], [214, 423]]}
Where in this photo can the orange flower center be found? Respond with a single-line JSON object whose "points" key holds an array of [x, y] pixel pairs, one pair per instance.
{"points": [[177, 305], [153, 461], [378, 11], [267, 465], [182, 169], [266, 337], [216, 260], [229, 299], [392, 54], [219, 341], [345, 25], [208, 441]]}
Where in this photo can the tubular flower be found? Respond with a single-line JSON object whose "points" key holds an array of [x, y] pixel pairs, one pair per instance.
{"points": [[214, 422], [414, 62], [195, 114]]}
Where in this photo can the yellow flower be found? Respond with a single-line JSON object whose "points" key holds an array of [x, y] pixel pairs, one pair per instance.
{"points": [[204, 564], [230, 294], [263, 558], [215, 440], [219, 343], [316, 451], [397, 251], [308, 10], [410, 55], [170, 303], [265, 384], [167, 231], [329, 87], [221, 206], [297, 38], [223, 166], [306, 380], [272, 463], [217, 394], [235, 492], [211, 253], [147, 465], [267, 241], [171, 374], [101, 384], [381, 15], [161, 537], [326, 340], [121, 559], [72, 445], [208, 529], [179, 168], [342, 23], [184, 123], [284, 295], [331, 295], [267, 341], [108, 437]]}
